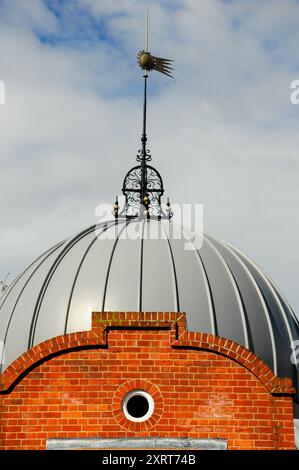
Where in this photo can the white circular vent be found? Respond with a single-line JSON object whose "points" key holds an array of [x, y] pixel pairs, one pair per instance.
{"points": [[138, 406]]}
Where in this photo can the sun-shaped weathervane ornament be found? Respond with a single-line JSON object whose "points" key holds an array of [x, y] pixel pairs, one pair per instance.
{"points": [[143, 184], [149, 62]]}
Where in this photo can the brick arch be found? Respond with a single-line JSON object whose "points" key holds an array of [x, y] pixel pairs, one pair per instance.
{"points": [[98, 337], [236, 352]]}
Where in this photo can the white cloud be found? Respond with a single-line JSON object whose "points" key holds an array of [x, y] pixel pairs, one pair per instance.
{"points": [[29, 14]]}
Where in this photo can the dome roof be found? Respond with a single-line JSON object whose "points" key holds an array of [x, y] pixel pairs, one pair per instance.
{"points": [[219, 288]]}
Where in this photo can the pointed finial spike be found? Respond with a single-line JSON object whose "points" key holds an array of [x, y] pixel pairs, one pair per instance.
{"points": [[146, 31]]}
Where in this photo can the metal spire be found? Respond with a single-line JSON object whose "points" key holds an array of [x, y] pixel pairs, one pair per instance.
{"points": [[146, 32], [143, 193], [143, 185]]}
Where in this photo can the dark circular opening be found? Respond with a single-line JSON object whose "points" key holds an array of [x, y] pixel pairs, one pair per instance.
{"points": [[137, 406]]}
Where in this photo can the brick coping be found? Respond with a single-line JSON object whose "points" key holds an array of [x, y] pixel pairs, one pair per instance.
{"points": [[179, 337]]}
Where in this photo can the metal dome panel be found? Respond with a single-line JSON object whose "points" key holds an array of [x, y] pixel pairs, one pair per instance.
{"points": [[158, 283], [259, 328]]}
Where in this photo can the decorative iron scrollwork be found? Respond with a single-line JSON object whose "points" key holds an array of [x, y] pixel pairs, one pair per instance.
{"points": [[132, 189], [147, 158]]}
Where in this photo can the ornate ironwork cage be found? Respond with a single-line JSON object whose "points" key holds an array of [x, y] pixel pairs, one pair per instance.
{"points": [[135, 192]]}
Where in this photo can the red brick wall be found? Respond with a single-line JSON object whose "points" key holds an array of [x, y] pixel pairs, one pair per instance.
{"points": [[203, 387]]}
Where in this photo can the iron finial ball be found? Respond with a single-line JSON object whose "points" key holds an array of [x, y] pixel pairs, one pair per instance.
{"points": [[149, 62], [145, 61]]}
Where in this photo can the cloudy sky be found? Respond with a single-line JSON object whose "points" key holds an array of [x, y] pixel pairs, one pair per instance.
{"points": [[223, 132]]}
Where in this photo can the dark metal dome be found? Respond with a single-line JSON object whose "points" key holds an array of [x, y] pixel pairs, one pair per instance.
{"points": [[219, 288]]}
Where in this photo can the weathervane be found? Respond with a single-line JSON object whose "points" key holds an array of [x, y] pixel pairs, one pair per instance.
{"points": [[149, 62], [143, 184], [3, 284]]}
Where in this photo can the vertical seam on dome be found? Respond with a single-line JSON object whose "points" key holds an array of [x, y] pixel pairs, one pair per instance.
{"points": [[110, 263], [49, 253], [281, 297], [236, 289], [141, 267], [262, 300], [48, 278], [210, 297], [208, 289], [174, 270], [289, 312], [11, 287], [78, 271], [272, 290]]}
